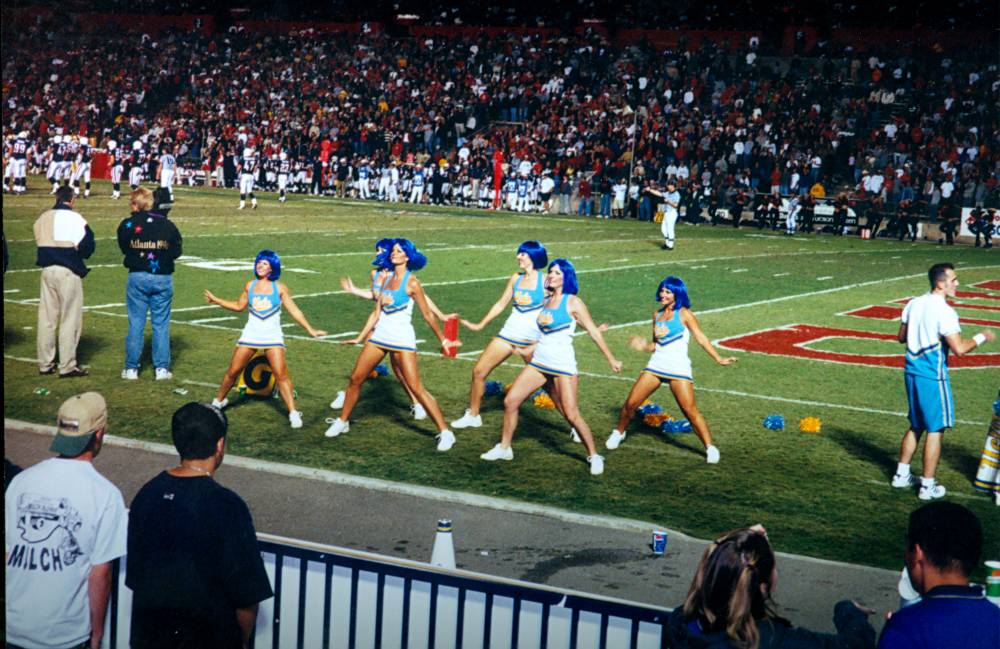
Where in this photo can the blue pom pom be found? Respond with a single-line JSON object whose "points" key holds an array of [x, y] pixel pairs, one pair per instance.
{"points": [[650, 409], [493, 388], [381, 369], [675, 427], [996, 407], [774, 422]]}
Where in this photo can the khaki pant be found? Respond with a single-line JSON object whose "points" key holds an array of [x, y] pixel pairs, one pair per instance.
{"points": [[60, 306]]}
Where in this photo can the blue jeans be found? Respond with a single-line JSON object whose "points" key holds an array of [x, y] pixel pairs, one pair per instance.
{"points": [[585, 206], [145, 292], [605, 204]]}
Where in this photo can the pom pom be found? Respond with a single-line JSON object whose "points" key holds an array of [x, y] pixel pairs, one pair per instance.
{"points": [[996, 407], [543, 400], [649, 408], [654, 419], [810, 425], [506, 388], [493, 388], [774, 422], [380, 370], [674, 427]]}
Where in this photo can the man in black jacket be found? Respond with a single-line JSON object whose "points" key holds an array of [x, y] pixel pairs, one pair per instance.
{"points": [[194, 565], [64, 240], [150, 243]]}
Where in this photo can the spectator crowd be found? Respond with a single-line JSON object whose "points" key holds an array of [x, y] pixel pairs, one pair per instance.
{"points": [[373, 116]]}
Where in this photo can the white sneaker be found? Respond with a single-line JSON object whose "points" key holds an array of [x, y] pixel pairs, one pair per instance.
{"points": [[903, 481], [446, 439], [575, 436], [617, 437], [932, 492], [498, 453], [337, 426], [468, 420], [338, 401], [241, 206], [596, 464], [418, 411], [712, 455], [163, 374], [130, 374], [295, 419], [220, 404]]}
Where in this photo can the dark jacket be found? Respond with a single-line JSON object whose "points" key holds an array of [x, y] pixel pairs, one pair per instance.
{"points": [[853, 632], [53, 251], [150, 242]]}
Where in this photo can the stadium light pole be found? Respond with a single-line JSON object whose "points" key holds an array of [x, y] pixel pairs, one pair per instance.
{"points": [[631, 160]]}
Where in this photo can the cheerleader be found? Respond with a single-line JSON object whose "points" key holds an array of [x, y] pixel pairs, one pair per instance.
{"points": [[379, 274], [673, 326], [263, 296], [527, 290], [553, 363], [393, 334]]}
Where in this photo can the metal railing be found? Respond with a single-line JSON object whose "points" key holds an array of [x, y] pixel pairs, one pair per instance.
{"points": [[327, 597]]}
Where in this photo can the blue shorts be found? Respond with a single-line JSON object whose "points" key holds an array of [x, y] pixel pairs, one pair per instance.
{"points": [[931, 405]]}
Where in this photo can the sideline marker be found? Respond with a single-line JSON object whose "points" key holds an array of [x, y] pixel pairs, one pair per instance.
{"points": [[443, 554]]}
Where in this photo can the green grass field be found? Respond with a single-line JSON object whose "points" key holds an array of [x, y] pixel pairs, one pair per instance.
{"points": [[823, 495]]}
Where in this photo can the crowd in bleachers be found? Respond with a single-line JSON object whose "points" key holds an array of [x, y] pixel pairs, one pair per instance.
{"points": [[726, 123]]}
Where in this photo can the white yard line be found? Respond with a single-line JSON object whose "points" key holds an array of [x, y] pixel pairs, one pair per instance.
{"points": [[785, 298], [219, 319]]}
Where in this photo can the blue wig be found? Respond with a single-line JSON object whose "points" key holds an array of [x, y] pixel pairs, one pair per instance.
{"points": [[570, 285], [417, 259], [676, 286], [272, 258], [383, 248], [535, 250]]}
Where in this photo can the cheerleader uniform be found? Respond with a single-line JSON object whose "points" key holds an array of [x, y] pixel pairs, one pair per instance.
{"points": [[263, 328], [520, 329], [394, 329], [554, 353], [670, 358]]}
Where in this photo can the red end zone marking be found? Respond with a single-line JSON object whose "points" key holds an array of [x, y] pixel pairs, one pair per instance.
{"points": [[790, 341], [990, 284], [880, 312], [964, 305]]}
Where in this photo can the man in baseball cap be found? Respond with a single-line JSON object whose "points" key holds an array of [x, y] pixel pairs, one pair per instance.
{"points": [[65, 524], [80, 420]]}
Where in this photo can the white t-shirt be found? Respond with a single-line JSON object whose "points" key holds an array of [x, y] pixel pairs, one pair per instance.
{"points": [[672, 197], [928, 319], [61, 518]]}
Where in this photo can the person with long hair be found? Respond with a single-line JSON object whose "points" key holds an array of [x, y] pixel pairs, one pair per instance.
{"points": [[264, 296], [381, 271], [674, 325], [392, 333], [526, 288], [729, 604], [553, 363]]}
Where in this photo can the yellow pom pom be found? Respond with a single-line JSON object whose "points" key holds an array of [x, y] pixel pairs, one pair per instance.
{"points": [[506, 388], [655, 419], [544, 401], [810, 425], [373, 375]]}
